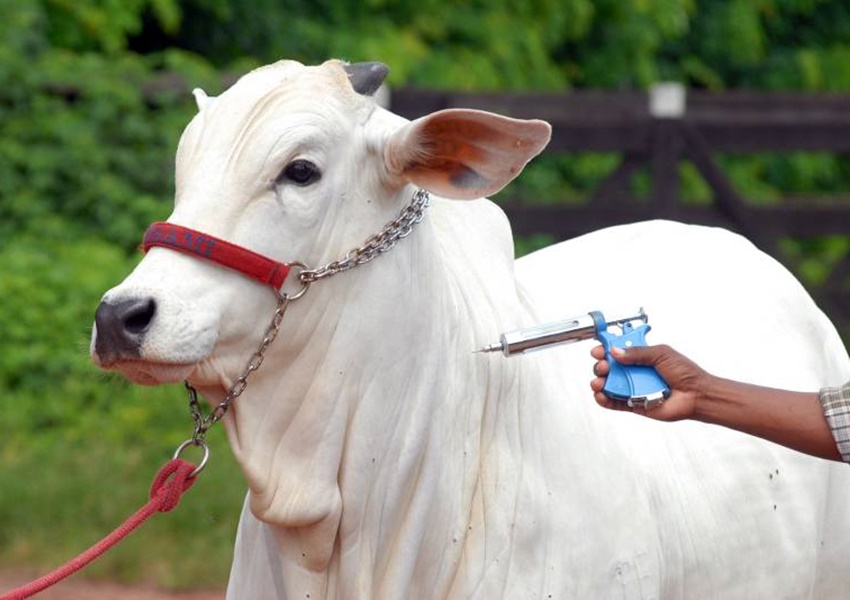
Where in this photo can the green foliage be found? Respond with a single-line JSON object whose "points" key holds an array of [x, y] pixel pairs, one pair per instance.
{"points": [[88, 141], [41, 278], [818, 257], [103, 26], [541, 44], [559, 179], [528, 244]]}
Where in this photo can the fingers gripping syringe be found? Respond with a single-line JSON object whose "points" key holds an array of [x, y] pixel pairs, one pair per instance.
{"points": [[637, 385]]}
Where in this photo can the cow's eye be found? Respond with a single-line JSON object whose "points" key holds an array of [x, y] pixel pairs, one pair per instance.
{"points": [[300, 172]]}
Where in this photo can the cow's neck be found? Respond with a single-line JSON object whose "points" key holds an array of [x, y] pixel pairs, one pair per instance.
{"points": [[379, 411]]}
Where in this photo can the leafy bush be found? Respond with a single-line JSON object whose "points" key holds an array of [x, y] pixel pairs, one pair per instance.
{"points": [[88, 140]]}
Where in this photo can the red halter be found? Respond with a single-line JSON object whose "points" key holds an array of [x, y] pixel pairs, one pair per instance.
{"points": [[221, 252]]}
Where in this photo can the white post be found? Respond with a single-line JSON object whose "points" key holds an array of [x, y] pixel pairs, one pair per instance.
{"points": [[667, 100]]}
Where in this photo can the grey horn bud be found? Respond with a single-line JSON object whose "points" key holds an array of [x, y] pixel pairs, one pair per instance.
{"points": [[366, 77]]}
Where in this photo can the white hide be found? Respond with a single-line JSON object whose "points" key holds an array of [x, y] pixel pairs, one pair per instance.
{"points": [[385, 460]]}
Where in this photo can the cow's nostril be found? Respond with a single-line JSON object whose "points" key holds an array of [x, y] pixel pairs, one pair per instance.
{"points": [[139, 315], [121, 328]]}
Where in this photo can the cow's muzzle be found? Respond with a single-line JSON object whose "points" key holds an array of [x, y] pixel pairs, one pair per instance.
{"points": [[121, 328]]}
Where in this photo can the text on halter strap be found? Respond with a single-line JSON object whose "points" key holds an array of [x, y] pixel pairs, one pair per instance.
{"points": [[222, 252]]}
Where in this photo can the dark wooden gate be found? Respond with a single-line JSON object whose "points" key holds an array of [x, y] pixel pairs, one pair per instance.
{"points": [[644, 136]]}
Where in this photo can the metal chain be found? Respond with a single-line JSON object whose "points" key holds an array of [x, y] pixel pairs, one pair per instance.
{"points": [[203, 423], [379, 243], [376, 245]]}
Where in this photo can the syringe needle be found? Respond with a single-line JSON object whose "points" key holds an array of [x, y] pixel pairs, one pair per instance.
{"points": [[490, 348]]}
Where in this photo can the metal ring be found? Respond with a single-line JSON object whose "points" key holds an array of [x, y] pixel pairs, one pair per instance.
{"points": [[304, 283], [204, 459]]}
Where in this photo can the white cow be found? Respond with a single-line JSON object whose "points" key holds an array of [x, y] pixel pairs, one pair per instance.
{"points": [[384, 459]]}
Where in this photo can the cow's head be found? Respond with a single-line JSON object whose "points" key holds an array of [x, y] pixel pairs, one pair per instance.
{"points": [[298, 164]]}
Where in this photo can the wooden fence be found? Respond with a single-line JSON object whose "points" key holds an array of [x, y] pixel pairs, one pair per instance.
{"points": [[659, 130]]}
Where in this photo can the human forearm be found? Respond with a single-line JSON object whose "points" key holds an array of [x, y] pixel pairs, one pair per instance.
{"points": [[792, 419], [797, 420]]}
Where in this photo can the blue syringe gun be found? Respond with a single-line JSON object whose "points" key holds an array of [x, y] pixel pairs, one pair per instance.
{"points": [[637, 385]]}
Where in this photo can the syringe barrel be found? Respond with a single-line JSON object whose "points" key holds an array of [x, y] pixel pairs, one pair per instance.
{"points": [[567, 331]]}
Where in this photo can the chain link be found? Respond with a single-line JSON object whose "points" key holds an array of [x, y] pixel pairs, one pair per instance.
{"points": [[379, 243], [203, 423], [376, 245]]}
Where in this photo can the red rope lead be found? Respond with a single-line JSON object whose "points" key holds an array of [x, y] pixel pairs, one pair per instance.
{"points": [[174, 478]]}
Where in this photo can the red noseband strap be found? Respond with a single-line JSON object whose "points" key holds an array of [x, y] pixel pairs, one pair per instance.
{"points": [[189, 241]]}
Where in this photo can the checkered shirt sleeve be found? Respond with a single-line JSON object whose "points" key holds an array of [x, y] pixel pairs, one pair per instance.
{"points": [[836, 408]]}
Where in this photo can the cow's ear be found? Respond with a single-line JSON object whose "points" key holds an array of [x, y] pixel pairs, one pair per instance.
{"points": [[201, 98], [464, 154]]}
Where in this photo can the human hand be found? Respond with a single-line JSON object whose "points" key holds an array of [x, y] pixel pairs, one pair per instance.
{"points": [[684, 377]]}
